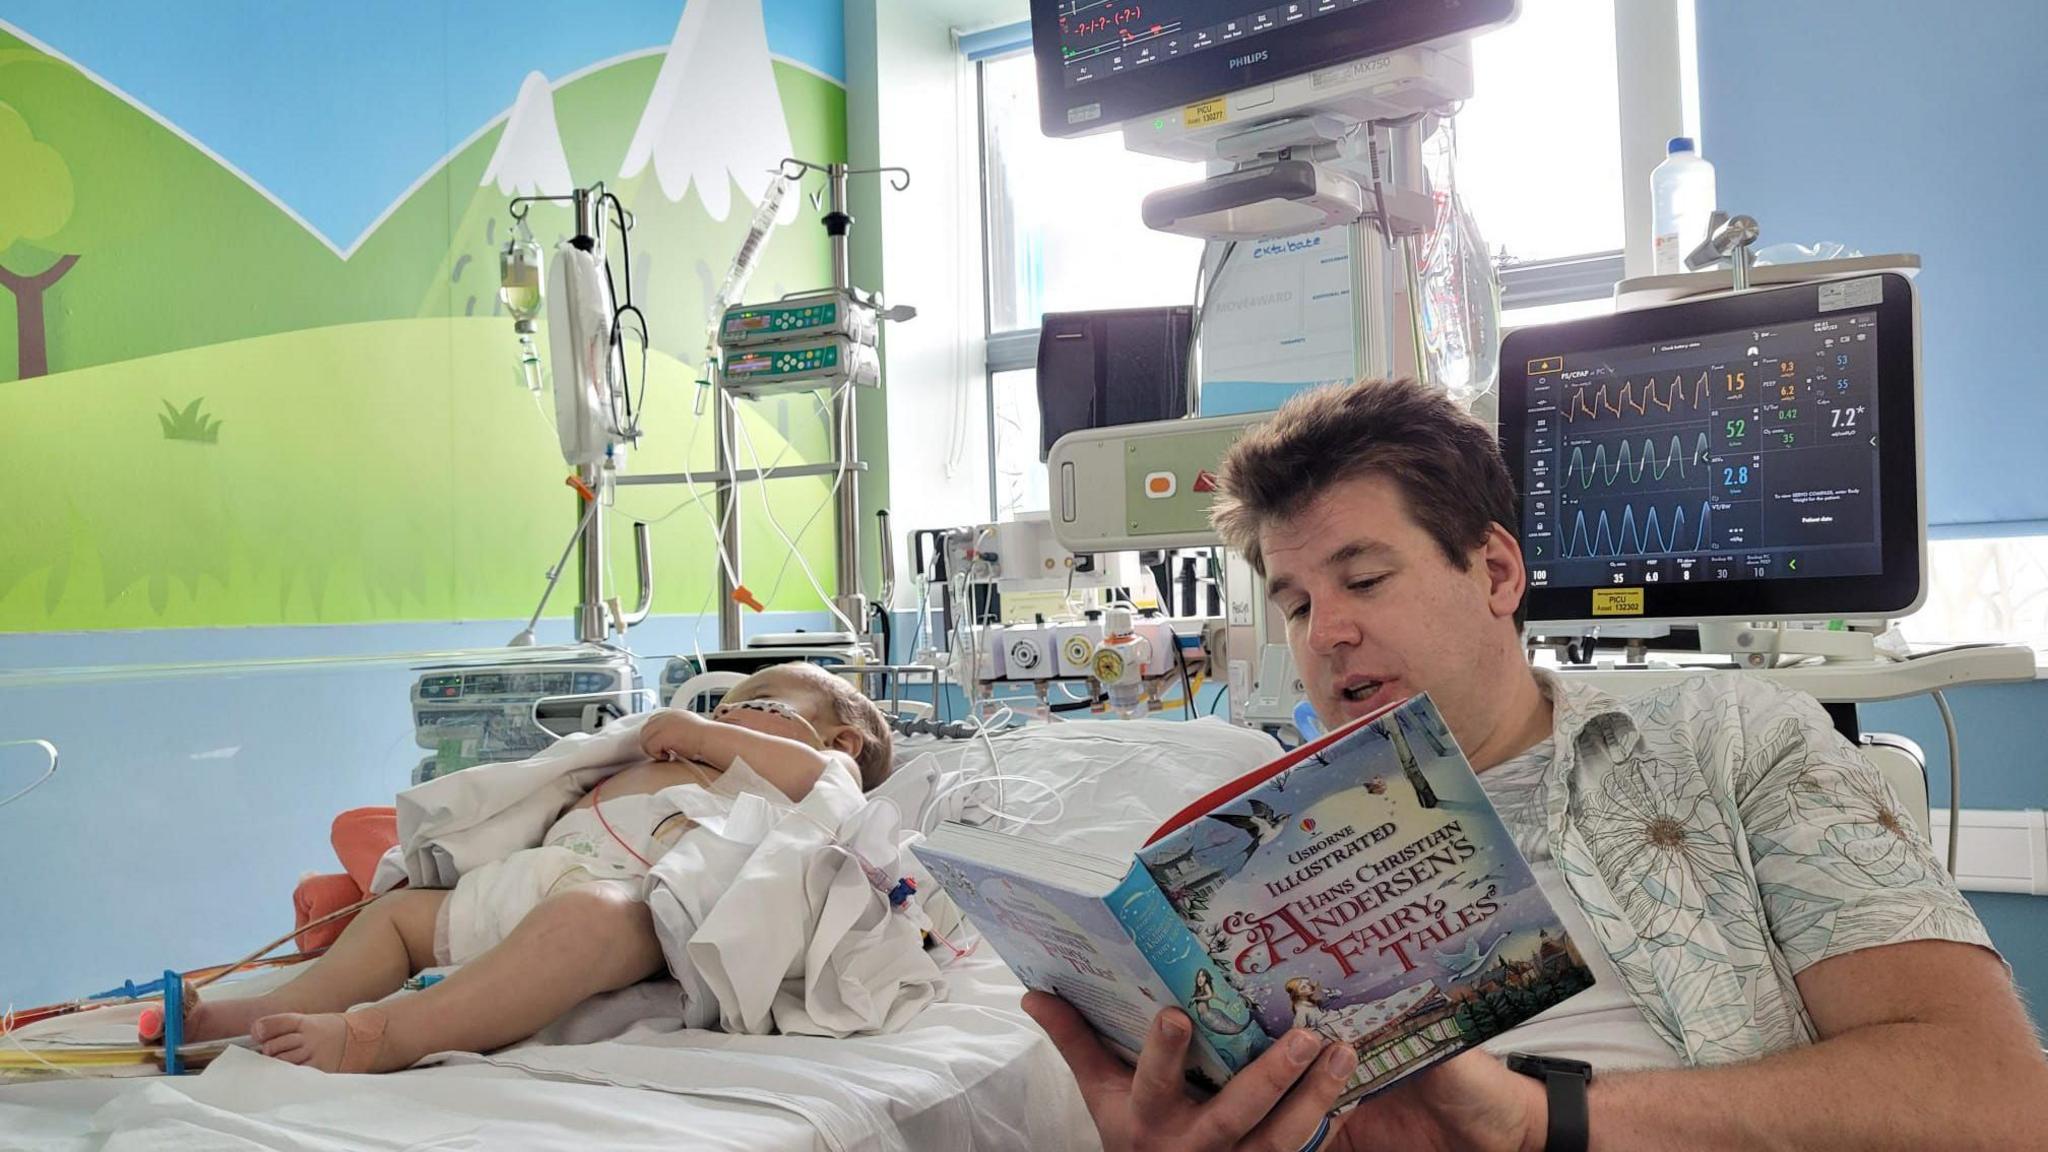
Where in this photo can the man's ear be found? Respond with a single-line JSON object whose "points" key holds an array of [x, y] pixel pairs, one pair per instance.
{"points": [[1500, 558]]}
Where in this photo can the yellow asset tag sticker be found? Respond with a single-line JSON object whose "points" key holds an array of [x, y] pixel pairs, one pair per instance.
{"points": [[1617, 601], [1207, 112]]}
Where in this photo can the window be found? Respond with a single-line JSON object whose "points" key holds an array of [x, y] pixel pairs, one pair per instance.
{"points": [[1539, 162], [1063, 225], [1539, 156], [1985, 588]]}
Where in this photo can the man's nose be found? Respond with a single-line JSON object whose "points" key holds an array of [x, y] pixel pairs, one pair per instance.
{"points": [[1331, 626]]}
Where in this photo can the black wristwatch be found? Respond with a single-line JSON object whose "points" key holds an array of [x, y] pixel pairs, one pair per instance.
{"points": [[1564, 1086]]}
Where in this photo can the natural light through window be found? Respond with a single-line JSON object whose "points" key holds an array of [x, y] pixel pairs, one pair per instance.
{"points": [[1065, 232], [1539, 144]]}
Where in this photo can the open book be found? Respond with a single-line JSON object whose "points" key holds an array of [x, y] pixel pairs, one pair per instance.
{"points": [[1361, 886]]}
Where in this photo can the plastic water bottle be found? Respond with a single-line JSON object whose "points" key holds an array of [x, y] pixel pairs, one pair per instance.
{"points": [[1681, 199]]}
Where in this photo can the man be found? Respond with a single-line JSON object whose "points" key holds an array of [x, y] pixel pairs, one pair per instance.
{"points": [[1780, 962]]}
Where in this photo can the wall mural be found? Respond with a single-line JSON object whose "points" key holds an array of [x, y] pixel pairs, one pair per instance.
{"points": [[214, 412]]}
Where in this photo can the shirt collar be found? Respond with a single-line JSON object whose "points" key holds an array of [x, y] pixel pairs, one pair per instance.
{"points": [[1583, 715]]}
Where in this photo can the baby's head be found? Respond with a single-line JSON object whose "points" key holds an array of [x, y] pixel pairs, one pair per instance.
{"points": [[833, 714]]}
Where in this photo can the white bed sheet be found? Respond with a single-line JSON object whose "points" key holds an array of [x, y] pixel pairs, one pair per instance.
{"points": [[969, 1072]]}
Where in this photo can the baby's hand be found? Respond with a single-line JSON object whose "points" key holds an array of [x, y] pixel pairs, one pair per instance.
{"points": [[672, 734]]}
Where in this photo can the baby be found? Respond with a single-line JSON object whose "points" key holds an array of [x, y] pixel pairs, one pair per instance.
{"points": [[573, 918]]}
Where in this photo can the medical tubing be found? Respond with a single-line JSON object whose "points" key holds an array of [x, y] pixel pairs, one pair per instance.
{"points": [[744, 262], [7, 1030], [761, 477], [49, 750], [838, 475], [259, 953]]}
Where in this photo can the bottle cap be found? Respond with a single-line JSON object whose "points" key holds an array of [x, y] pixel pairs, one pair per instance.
{"points": [[1680, 144], [1118, 621]]}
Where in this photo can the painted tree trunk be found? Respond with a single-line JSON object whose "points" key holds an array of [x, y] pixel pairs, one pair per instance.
{"points": [[31, 336]]}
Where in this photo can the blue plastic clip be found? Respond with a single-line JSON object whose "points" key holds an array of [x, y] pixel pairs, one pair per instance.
{"points": [[174, 1022], [902, 892], [130, 990]]}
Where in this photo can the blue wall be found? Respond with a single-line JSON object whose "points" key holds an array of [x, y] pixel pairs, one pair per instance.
{"points": [[2005, 765], [201, 769], [1907, 127], [1912, 127]]}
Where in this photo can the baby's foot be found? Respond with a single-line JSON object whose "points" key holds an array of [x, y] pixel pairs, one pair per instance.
{"points": [[330, 1041], [208, 1019], [222, 1019]]}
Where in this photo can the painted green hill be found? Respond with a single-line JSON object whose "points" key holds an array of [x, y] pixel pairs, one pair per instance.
{"points": [[349, 497], [251, 430]]}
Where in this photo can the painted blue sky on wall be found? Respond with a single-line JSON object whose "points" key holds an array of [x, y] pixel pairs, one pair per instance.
{"points": [[337, 109]]}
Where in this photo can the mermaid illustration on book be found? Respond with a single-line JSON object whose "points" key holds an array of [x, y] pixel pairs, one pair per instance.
{"points": [[1204, 1007]]}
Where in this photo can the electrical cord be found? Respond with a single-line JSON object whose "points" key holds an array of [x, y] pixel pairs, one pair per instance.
{"points": [[1955, 765], [1955, 778], [1187, 687], [49, 750]]}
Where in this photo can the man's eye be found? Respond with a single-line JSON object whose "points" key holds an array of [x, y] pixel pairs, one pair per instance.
{"points": [[1298, 611], [1365, 585]]}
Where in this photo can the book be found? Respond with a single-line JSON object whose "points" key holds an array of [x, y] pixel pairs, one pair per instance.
{"points": [[1361, 886]]}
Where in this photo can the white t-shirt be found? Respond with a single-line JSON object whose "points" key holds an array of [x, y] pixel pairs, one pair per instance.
{"points": [[1600, 1025]]}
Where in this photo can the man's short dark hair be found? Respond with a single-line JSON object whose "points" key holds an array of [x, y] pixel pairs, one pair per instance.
{"points": [[1445, 463]]}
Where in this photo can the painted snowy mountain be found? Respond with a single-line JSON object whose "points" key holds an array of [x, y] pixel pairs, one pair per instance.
{"points": [[715, 115], [529, 160]]}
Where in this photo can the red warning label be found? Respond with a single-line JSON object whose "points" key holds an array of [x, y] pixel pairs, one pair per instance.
{"points": [[1205, 481]]}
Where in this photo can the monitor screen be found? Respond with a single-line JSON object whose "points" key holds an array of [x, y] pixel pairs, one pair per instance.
{"points": [[1101, 62], [1752, 456]]}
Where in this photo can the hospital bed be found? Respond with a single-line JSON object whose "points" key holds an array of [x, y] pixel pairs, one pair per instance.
{"points": [[620, 1072]]}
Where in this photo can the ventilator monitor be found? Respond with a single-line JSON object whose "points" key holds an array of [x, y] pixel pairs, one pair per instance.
{"points": [[1750, 457]]}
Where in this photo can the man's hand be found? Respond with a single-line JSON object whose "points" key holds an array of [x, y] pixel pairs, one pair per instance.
{"points": [[1471, 1103], [1274, 1105], [672, 734]]}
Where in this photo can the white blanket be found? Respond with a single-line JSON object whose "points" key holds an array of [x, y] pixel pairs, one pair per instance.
{"points": [[774, 916], [969, 1072]]}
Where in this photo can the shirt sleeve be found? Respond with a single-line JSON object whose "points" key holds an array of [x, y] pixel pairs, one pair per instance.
{"points": [[1840, 863]]}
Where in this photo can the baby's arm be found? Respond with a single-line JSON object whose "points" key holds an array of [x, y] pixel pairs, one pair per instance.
{"points": [[792, 767]]}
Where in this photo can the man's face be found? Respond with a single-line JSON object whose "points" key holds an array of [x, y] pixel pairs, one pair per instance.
{"points": [[1376, 612]]}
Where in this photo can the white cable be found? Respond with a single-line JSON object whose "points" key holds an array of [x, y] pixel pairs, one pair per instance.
{"points": [[1955, 779], [7, 1029], [766, 507], [49, 750], [838, 476]]}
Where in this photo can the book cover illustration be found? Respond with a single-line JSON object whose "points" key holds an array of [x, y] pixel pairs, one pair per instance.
{"points": [[1369, 892], [1118, 958]]}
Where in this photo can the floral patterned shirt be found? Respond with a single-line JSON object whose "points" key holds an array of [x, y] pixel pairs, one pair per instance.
{"points": [[1722, 837]]}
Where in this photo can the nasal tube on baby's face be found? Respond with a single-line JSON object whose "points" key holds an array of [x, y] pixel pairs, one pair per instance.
{"points": [[774, 717]]}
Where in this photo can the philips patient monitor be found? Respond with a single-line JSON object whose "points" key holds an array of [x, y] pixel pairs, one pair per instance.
{"points": [[1179, 75], [1750, 457]]}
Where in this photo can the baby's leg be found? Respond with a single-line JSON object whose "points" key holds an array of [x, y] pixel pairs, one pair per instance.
{"points": [[592, 938], [384, 944]]}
